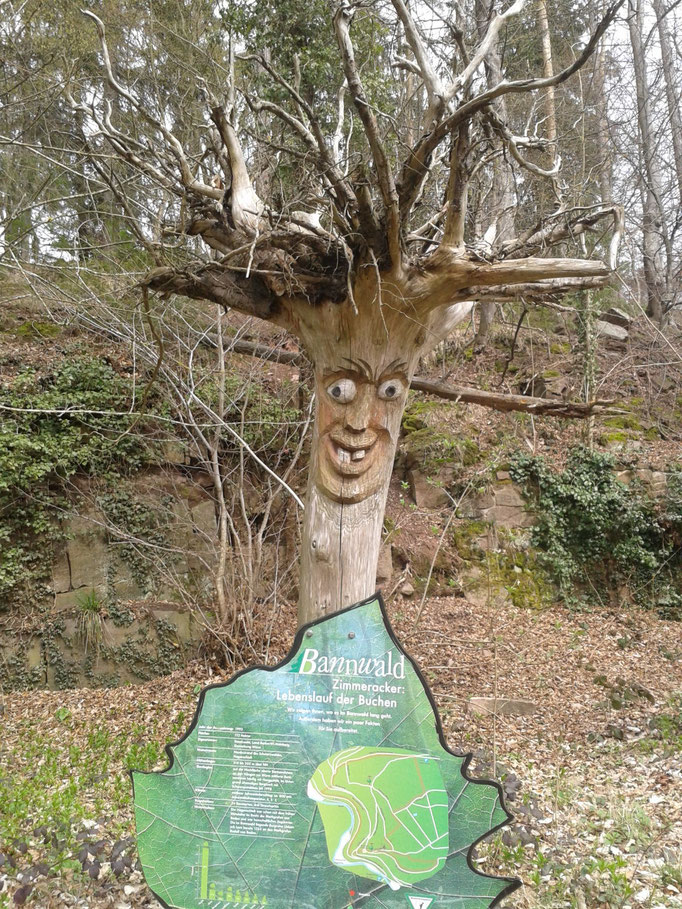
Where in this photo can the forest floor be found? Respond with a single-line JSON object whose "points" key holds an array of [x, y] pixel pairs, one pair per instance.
{"points": [[593, 776]]}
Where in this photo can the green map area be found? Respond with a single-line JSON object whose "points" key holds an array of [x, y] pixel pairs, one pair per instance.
{"points": [[322, 783], [385, 813]]}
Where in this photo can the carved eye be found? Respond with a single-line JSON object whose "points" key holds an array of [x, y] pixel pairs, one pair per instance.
{"points": [[391, 389], [343, 390]]}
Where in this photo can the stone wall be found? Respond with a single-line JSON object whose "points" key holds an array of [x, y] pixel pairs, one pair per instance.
{"points": [[138, 594], [106, 557], [496, 520], [118, 599], [129, 645]]}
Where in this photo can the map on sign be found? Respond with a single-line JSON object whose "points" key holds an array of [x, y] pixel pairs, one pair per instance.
{"points": [[323, 783], [385, 813]]}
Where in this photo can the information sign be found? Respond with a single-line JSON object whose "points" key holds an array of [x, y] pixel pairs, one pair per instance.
{"points": [[324, 783]]}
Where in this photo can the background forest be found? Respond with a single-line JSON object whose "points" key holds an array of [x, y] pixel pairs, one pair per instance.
{"points": [[155, 443]]}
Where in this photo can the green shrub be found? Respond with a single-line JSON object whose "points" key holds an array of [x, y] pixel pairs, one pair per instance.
{"points": [[596, 535], [90, 622]]}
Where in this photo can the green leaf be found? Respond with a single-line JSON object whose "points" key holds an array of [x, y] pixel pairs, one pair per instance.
{"points": [[62, 714], [321, 784]]}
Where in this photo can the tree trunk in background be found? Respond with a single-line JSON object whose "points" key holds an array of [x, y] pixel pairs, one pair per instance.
{"points": [[486, 320], [651, 189], [548, 72], [671, 89], [601, 105], [503, 204]]}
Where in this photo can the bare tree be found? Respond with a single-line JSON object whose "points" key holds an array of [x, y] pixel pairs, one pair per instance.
{"points": [[672, 93], [372, 249], [651, 183]]}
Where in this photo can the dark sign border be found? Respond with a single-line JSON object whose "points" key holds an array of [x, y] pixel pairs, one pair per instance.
{"points": [[512, 882]]}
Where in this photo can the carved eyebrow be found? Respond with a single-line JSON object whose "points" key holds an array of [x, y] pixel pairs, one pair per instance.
{"points": [[360, 366], [364, 369], [395, 366]]}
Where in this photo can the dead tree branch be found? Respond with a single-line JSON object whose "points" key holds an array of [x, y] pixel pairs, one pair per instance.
{"points": [[342, 20], [508, 403]]}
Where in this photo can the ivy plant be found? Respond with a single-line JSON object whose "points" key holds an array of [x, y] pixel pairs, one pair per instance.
{"points": [[598, 536]]}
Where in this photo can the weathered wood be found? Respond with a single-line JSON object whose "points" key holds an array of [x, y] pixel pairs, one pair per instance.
{"points": [[250, 296], [339, 552], [263, 352], [460, 270], [364, 353], [508, 403]]}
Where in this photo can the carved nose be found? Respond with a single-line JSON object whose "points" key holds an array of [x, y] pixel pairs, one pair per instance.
{"points": [[358, 412]]}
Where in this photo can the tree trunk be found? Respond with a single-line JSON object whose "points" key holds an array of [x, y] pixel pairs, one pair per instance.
{"points": [[601, 106], [650, 179], [503, 196], [339, 554], [364, 354], [548, 72], [486, 320], [671, 93]]}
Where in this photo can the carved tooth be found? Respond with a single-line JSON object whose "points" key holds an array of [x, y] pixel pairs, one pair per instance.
{"points": [[344, 456], [359, 455]]}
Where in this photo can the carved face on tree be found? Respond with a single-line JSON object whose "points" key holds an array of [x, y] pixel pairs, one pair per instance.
{"points": [[359, 411]]}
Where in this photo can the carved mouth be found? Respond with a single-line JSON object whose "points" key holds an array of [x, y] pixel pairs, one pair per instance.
{"points": [[352, 456], [352, 465]]}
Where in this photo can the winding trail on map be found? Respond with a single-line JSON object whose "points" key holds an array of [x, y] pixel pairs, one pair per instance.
{"points": [[385, 813]]}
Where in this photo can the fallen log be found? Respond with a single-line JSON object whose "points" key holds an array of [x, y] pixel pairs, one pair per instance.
{"points": [[507, 403]]}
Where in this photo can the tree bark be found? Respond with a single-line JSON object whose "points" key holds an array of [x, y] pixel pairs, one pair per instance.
{"points": [[671, 91], [650, 179], [339, 552]]}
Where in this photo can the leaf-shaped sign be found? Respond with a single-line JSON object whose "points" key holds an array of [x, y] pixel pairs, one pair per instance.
{"points": [[324, 783]]}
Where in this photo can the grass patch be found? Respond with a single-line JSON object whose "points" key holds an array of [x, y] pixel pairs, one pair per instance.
{"points": [[55, 786], [90, 622]]}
